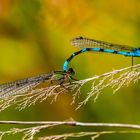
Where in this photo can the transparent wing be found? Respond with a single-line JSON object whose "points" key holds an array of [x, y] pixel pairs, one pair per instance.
{"points": [[91, 43], [22, 86]]}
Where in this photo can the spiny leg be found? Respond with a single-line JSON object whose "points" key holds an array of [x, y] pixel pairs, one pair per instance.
{"points": [[51, 82], [74, 80], [62, 84]]}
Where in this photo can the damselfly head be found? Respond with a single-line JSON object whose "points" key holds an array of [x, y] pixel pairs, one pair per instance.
{"points": [[71, 71]]}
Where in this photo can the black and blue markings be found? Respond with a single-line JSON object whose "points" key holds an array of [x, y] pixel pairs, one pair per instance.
{"points": [[100, 46]]}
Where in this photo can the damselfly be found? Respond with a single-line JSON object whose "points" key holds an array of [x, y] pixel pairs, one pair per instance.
{"points": [[22, 86], [100, 46]]}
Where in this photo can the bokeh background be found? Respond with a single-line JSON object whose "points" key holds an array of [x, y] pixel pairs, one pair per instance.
{"points": [[34, 39]]}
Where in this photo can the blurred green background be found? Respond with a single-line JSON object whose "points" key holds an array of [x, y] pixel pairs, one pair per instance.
{"points": [[34, 39]]}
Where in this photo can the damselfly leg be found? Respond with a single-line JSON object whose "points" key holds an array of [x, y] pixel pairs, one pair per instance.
{"points": [[62, 77]]}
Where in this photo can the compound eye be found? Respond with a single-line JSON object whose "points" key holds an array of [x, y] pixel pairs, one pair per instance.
{"points": [[71, 71]]}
